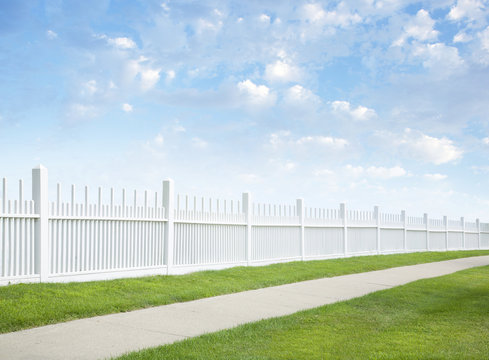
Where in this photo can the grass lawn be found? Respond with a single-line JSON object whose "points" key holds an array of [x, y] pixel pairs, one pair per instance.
{"points": [[29, 305], [439, 318]]}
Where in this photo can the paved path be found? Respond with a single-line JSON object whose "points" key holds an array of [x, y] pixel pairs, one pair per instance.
{"points": [[109, 335]]}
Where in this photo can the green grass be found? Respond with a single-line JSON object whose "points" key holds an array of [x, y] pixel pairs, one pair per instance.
{"points": [[440, 318], [29, 305]]}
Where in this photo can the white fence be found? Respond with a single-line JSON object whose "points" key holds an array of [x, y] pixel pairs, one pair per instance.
{"points": [[42, 241]]}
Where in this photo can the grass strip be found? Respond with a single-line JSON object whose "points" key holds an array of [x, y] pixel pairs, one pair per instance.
{"points": [[439, 318], [29, 305]]}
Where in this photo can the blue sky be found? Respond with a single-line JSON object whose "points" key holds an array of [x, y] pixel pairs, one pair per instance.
{"points": [[368, 102]]}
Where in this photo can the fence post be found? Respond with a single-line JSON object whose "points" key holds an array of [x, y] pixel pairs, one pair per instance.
{"points": [[168, 199], [404, 230], [300, 212], [345, 228], [427, 223], [462, 223], [41, 236], [445, 223], [478, 224], [377, 224], [246, 197]]}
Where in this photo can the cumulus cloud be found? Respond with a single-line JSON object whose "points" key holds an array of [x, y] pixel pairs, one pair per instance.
{"points": [[435, 177], [376, 172], [299, 95], [421, 28], [466, 9], [127, 107], [141, 69], [328, 141], [149, 78], [82, 111], [360, 113], [415, 144], [279, 138], [483, 51], [170, 75], [256, 95], [280, 71], [341, 16], [461, 37], [51, 35], [207, 27], [264, 18], [381, 172], [159, 140], [284, 138], [89, 88], [443, 60], [122, 43], [250, 178]]}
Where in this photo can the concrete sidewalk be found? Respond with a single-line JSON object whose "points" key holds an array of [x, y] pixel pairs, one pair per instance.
{"points": [[110, 335]]}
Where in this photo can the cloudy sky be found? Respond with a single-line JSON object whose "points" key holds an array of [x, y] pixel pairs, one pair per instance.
{"points": [[370, 102]]}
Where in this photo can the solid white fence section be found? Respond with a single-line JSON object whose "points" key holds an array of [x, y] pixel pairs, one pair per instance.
{"points": [[79, 240], [87, 238], [17, 235], [208, 232]]}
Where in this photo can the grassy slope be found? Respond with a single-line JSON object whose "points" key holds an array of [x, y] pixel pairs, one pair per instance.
{"points": [[29, 305], [440, 318]]}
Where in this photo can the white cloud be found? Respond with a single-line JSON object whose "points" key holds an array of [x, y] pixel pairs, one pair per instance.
{"points": [[250, 178], [256, 95], [289, 165], [354, 171], [323, 172], [385, 173], [159, 140], [123, 43], [141, 70], [484, 169], [360, 113], [149, 78], [483, 52], [51, 35], [298, 95], [264, 18], [421, 28], [206, 27], [376, 172], [279, 138], [199, 143], [89, 88], [426, 148], [336, 143], [485, 140], [461, 37], [284, 138], [443, 60], [470, 9], [127, 107], [170, 75], [282, 72], [435, 177], [82, 111], [341, 16]]}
